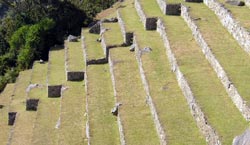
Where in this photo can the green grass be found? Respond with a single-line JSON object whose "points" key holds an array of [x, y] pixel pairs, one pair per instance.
{"points": [[5, 100], [136, 118], [103, 125], [208, 90], [234, 60], [113, 36], [57, 66], [239, 13], [72, 128], [164, 88], [75, 56], [94, 50]]}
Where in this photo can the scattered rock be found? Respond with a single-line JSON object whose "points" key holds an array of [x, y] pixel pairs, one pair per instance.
{"points": [[31, 86], [114, 111], [72, 38], [58, 123], [99, 39], [235, 2], [132, 48], [146, 50], [41, 61], [243, 139]]}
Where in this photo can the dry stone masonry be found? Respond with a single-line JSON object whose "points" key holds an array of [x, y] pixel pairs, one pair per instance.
{"points": [[54, 91], [210, 134], [148, 23], [233, 26], [12, 118], [159, 128], [232, 91], [31, 104], [169, 9]]}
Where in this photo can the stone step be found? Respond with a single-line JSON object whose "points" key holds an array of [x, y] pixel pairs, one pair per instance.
{"points": [[5, 97], [162, 84]]}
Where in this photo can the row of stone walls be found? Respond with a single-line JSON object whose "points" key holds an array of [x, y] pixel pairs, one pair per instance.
{"points": [[159, 128], [163, 5], [227, 20], [149, 23], [210, 134], [228, 85], [120, 126], [127, 36]]}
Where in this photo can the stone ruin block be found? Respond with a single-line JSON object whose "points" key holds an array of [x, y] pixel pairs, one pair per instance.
{"points": [[151, 23], [96, 29], [75, 75], [173, 9], [195, 1], [12, 118], [54, 91], [97, 61], [129, 36], [31, 104]]}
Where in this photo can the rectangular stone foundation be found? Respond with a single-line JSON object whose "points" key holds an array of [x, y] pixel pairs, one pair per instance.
{"points": [[54, 91], [31, 104], [12, 118], [173, 9], [75, 75], [151, 23]]}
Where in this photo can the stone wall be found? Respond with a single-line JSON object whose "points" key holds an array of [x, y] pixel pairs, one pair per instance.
{"points": [[159, 128], [120, 126], [233, 26], [169, 9], [149, 23], [75, 75], [247, 2], [196, 1], [54, 90], [11, 118], [210, 134], [228, 85], [127, 36]]}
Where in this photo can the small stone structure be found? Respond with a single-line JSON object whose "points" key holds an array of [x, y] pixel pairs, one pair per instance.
{"points": [[12, 118], [72, 38], [233, 26], [54, 91], [31, 104], [243, 139], [195, 1], [110, 20], [235, 2], [170, 8], [96, 29], [97, 61], [200, 118], [75, 75], [1, 106], [148, 22]]}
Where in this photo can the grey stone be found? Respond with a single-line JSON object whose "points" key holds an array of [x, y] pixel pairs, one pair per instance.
{"points": [[243, 139], [31, 104], [114, 111], [132, 48], [146, 50], [110, 20], [31, 86], [151, 23], [235, 2], [12, 118], [72, 38]]}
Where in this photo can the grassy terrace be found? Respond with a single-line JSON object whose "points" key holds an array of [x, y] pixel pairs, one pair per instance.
{"points": [[103, 125], [208, 90], [111, 36], [75, 56], [57, 66], [234, 60], [5, 100], [49, 108], [134, 111], [72, 128], [94, 50], [240, 13], [23, 130], [164, 89]]}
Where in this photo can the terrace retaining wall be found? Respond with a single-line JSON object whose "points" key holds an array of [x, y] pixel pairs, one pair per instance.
{"points": [[159, 128], [169, 9], [127, 36], [247, 2], [149, 23], [54, 90], [119, 122], [210, 134], [221, 74], [233, 26]]}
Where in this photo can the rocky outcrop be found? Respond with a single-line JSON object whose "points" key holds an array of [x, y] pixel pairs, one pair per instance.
{"points": [[221, 74], [210, 134], [238, 32], [75, 75]]}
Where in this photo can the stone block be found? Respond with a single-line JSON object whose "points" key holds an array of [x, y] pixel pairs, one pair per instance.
{"points": [[12, 118], [151, 23], [129, 38], [54, 91], [97, 61], [96, 29], [195, 1], [75, 75], [31, 104], [173, 9]]}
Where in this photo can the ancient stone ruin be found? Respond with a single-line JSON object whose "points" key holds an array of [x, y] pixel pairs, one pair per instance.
{"points": [[75, 75], [31, 104], [173, 9], [54, 91], [243, 139], [95, 29], [12, 118], [151, 23], [195, 1]]}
